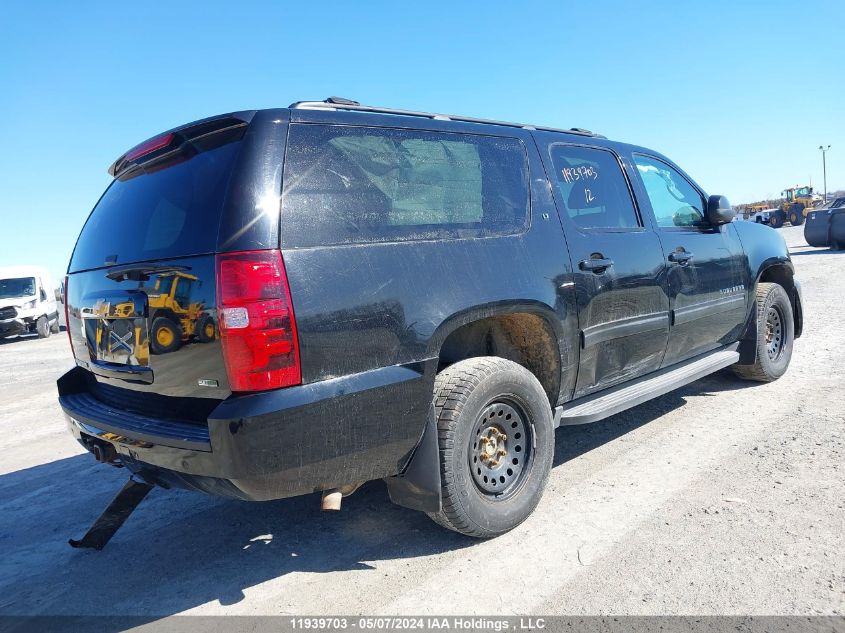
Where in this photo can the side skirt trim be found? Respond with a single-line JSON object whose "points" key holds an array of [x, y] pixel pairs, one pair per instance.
{"points": [[603, 404]]}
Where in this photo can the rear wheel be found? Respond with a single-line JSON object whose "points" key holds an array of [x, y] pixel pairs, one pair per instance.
{"points": [[775, 335], [165, 335], [496, 442], [42, 326]]}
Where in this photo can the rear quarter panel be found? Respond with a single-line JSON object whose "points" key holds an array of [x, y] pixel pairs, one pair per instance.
{"points": [[363, 306]]}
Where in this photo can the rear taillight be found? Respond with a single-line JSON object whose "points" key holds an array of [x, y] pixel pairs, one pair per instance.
{"points": [[257, 325], [67, 321]]}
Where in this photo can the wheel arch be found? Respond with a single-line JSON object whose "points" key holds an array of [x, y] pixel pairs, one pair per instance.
{"points": [[780, 271], [526, 332], [418, 486]]}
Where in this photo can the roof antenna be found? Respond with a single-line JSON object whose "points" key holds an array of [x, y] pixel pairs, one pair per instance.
{"points": [[342, 101]]}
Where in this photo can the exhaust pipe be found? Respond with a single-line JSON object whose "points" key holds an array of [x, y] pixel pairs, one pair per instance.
{"points": [[104, 453], [332, 499]]}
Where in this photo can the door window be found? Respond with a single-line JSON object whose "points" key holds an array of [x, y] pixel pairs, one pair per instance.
{"points": [[593, 189], [676, 203], [183, 292]]}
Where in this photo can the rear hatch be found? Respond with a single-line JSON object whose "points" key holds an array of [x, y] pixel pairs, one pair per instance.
{"points": [[141, 287]]}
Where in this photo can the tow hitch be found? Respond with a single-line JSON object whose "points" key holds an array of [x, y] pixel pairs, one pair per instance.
{"points": [[115, 514]]}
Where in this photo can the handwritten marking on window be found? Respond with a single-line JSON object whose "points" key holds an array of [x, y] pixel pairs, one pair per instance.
{"points": [[581, 172], [588, 195]]}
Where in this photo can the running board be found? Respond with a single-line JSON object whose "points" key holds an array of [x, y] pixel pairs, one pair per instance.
{"points": [[605, 403]]}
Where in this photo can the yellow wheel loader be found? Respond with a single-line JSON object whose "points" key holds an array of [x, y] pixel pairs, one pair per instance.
{"points": [[174, 319], [797, 202]]}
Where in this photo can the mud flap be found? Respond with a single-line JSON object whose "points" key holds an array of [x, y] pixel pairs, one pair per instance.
{"points": [[109, 522], [418, 487], [748, 341]]}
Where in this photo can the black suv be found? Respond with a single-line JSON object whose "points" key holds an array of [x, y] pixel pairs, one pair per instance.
{"points": [[277, 302]]}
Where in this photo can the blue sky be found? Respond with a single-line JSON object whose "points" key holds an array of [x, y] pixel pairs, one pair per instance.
{"points": [[740, 94]]}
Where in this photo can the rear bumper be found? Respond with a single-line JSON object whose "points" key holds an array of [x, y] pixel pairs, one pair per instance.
{"points": [[268, 445]]}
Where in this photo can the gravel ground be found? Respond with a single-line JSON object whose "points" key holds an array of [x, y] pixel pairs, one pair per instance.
{"points": [[723, 497]]}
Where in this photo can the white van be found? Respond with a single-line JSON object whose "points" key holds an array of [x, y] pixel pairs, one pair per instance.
{"points": [[27, 302]]}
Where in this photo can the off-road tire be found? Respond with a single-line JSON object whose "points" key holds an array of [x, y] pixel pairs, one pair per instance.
{"points": [[777, 219], [767, 368], [796, 215], [202, 324], [42, 327], [463, 394], [174, 344]]}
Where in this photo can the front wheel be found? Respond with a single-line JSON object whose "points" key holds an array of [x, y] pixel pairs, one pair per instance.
{"points": [[777, 219], [205, 329], [775, 335], [42, 327], [165, 335], [496, 440]]}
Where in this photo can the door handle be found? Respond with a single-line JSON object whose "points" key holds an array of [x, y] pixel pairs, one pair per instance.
{"points": [[595, 264], [680, 257]]}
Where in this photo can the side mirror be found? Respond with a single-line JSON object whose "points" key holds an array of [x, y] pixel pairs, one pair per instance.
{"points": [[719, 210]]}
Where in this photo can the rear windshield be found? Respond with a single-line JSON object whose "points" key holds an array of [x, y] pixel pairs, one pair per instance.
{"points": [[161, 212]]}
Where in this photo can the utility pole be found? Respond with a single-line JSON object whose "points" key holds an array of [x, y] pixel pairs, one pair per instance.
{"points": [[824, 168]]}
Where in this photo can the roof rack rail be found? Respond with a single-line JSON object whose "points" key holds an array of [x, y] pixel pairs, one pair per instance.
{"points": [[340, 103]]}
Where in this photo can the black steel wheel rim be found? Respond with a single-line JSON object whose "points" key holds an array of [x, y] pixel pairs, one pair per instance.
{"points": [[774, 333], [500, 449]]}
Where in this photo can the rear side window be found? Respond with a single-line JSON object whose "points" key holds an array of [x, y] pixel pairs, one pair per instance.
{"points": [[169, 211], [346, 184], [592, 188]]}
